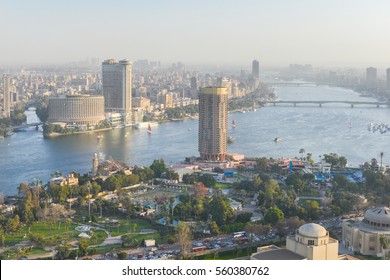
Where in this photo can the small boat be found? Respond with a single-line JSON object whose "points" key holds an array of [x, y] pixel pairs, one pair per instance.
{"points": [[233, 124], [277, 139], [149, 129], [230, 139]]}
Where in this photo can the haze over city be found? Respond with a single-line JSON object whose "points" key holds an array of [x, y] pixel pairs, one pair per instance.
{"points": [[324, 33]]}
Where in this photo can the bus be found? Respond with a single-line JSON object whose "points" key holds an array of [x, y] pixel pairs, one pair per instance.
{"points": [[199, 249], [239, 234]]}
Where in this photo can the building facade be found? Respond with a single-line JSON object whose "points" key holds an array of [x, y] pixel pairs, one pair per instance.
{"points": [[213, 112], [364, 235], [6, 97], [76, 109], [117, 85], [312, 241]]}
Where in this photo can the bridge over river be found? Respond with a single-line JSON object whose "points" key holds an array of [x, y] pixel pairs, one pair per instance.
{"points": [[24, 126], [320, 103]]}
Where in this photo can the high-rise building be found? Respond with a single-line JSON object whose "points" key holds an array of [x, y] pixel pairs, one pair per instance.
{"points": [[6, 96], [213, 112], [371, 76], [388, 78], [117, 85], [255, 69]]}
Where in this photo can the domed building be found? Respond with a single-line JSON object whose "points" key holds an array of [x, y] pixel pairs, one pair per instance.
{"points": [[310, 242], [363, 235]]}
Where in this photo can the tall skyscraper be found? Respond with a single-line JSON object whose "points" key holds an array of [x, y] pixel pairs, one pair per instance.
{"points": [[255, 69], [117, 84], [388, 78], [371, 76], [6, 96], [194, 88], [213, 112]]}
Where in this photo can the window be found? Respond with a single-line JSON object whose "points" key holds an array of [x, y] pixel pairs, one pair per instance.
{"points": [[310, 242]]}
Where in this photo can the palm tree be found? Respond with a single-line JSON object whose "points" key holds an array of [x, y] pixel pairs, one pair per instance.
{"points": [[381, 154], [301, 151]]}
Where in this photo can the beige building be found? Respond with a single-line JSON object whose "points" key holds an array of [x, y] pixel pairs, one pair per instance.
{"points": [[68, 180], [363, 235], [310, 242], [213, 112], [76, 109], [6, 96], [165, 99], [117, 86], [141, 102]]}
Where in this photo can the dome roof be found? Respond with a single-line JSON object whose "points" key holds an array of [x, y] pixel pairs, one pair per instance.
{"points": [[312, 230], [379, 215]]}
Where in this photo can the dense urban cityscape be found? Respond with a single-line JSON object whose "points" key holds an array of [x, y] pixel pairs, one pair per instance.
{"points": [[217, 205]]}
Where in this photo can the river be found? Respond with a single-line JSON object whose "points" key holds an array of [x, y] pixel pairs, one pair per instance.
{"points": [[337, 128]]}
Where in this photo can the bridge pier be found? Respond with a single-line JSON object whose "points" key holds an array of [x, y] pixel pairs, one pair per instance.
{"points": [[377, 105], [351, 105], [320, 105], [274, 104], [295, 104]]}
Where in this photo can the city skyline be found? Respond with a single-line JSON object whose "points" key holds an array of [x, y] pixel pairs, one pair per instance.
{"points": [[325, 33]]}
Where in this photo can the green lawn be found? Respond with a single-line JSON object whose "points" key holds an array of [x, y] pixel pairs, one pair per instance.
{"points": [[126, 225], [48, 232], [223, 186]]}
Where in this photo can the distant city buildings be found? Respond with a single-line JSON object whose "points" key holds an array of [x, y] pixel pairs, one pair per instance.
{"points": [[255, 69], [213, 111], [371, 77], [76, 109], [6, 96], [117, 86], [388, 78]]}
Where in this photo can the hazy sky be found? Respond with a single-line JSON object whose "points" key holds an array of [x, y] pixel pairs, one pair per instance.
{"points": [[218, 32]]}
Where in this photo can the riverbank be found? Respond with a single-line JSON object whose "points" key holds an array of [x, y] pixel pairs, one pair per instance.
{"points": [[56, 134]]}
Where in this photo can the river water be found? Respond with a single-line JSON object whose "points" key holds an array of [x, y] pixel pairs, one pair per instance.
{"points": [[337, 128]]}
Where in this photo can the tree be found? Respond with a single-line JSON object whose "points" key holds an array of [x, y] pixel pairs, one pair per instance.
{"points": [[158, 166], [122, 255], [301, 151], [273, 215], [208, 180], [384, 244], [189, 178], [64, 251], [312, 208], [257, 229], [83, 247], [2, 237], [13, 225], [244, 217], [214, 228], [129, 240], [184, 238], [220, 210]]}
